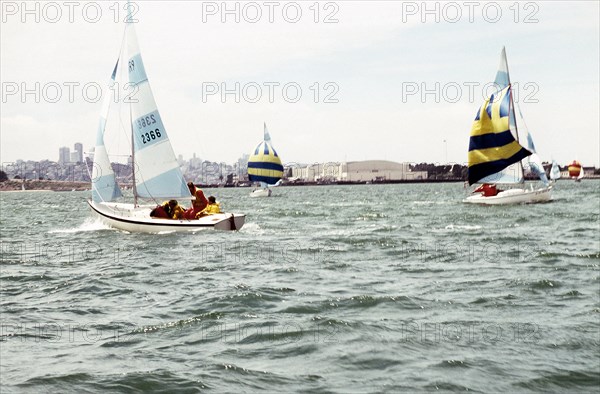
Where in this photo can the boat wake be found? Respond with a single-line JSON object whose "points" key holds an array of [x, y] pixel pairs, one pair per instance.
{"points": [[89, 224]]}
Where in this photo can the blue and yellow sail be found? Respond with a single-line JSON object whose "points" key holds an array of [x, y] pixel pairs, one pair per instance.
{"points": [[492, 146], [264, 164]]}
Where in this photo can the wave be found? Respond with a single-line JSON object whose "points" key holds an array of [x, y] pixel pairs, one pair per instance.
{"points": [[88, 225]]}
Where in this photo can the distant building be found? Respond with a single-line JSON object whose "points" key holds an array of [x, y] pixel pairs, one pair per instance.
{"points": [[356, 171], [74, 157], [242, 168], [78, 153], [64, 155]]}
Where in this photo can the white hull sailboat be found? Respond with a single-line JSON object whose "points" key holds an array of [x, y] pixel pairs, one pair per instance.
{"points": [[513, 196], [264, 166], [128, 217], [156, 173], [497, 156], [264, 192]]}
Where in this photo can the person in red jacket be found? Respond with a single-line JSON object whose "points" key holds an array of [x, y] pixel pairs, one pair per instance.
{"points": [[198, 204], [168, 210], [487, 190]]}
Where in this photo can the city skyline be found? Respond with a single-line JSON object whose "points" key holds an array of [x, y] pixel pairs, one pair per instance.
{"points": [[377, 82]]}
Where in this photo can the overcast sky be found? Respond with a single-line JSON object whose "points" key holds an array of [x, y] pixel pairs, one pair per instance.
{"points": [[369, 66]]}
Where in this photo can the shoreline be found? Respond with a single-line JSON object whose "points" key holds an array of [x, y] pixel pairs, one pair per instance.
{"points": [[14, 186]]}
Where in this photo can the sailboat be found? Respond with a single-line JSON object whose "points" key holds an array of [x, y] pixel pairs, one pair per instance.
{"points": [[264, 166], [554, 171], [156, 174], [580, 176], [497, 156], [576, 171]]}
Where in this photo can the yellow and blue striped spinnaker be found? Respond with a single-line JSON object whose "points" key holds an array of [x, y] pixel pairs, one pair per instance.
{"points": [[492, 146], [264, 165]]}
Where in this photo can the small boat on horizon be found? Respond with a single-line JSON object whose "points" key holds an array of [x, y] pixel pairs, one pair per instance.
{"points": [[554, 171], [576, 171], [264, 166]]}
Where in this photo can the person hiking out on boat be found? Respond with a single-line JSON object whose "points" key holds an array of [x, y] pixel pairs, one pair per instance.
{"points": [[168, 210], [487, 190], [212, 208], [198, 204]]}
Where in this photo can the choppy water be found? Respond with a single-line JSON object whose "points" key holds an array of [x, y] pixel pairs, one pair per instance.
{"points": [[329, 289]]}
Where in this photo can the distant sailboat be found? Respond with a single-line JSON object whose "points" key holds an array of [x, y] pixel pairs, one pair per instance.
{"points": [[554, 171], [580, 176], [496, 156], [156, 173], [264, 166], [576, 171]]}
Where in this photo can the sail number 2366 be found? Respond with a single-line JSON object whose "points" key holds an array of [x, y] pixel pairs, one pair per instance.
{"points": [[151, 135]]}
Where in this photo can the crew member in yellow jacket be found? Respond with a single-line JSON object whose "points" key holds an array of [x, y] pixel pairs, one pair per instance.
{"points": [[212, 208]]}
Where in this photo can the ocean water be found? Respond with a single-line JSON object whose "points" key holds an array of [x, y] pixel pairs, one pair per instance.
{"points": [[374, 288]]}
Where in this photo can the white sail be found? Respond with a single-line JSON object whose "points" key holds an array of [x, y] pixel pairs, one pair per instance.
{"points": [[267, 136], [104, 185], [533, 162], [554, 171], [157, 173], [502, 76], [581, 174]]}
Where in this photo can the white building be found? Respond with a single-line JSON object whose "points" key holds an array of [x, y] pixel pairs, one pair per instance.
{"points": [[356, 171]]}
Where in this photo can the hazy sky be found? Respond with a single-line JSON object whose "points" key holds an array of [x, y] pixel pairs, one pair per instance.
{"points": [[369, 66]]}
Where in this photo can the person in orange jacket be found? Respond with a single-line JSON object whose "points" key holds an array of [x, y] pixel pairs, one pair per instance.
{"points": [[198, 204]]}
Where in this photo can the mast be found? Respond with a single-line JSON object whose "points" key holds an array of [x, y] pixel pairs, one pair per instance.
{"points": [[512, 111], [134, 188], [135, 196]]}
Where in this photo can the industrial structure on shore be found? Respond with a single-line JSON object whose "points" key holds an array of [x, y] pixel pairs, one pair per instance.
{"points": [[354, 171]]}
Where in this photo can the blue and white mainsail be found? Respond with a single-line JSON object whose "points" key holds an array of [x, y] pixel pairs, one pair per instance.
{"points": [[157, 173], [264, 164], [104, 185]]}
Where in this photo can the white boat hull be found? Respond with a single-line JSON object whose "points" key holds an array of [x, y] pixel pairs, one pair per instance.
{"points": [[261, 193], [513, 196], [126, 217]]}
